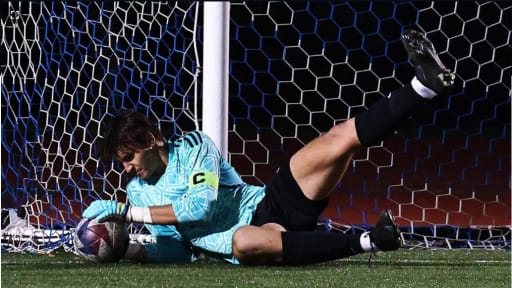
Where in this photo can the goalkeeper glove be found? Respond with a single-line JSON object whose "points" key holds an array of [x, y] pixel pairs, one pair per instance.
{"points": [[104, 209]]}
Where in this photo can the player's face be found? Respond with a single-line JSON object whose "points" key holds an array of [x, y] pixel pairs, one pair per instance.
{"points": [[145, 163]]}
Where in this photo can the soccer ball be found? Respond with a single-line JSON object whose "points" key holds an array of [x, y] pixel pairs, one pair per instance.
{"points": [[101, 242]]}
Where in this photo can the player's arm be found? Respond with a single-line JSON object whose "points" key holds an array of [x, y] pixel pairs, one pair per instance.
{"points": [[194, 206], [203, 181], [159, 215], [105, 209], [203, 161]]}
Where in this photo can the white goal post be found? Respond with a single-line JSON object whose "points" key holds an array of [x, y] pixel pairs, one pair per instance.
{"points": [[216, 72]]}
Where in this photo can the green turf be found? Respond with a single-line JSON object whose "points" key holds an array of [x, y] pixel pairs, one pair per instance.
{"points": [[456, 268]]}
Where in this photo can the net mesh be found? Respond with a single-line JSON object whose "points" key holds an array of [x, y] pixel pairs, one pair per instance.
{"points": [[296, 69], [68, 66]]}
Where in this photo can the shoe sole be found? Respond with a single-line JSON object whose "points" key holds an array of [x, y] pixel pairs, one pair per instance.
{"points": [[416, 43]]}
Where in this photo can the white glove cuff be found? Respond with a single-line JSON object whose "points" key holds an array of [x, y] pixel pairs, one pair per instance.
{"points": [[138, 215]]}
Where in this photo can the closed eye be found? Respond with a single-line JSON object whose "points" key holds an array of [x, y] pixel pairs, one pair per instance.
{"points": [[126, 157]]}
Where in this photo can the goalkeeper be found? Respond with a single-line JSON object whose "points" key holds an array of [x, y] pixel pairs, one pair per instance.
{"points": [[192, 200]]}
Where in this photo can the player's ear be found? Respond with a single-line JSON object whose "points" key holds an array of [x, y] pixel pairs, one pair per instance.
{"points": [[151, 139], [157, 140]]}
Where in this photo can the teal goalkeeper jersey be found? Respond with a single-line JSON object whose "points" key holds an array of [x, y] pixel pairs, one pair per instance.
{"points": [[208, 196]]}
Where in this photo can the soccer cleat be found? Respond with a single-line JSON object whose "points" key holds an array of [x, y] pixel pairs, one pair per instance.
{"points": [[385, 235], [430, 71]]}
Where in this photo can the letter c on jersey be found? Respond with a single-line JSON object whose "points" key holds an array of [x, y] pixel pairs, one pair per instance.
{"points": [[198, 178]]}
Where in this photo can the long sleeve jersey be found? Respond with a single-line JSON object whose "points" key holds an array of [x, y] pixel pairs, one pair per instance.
{"points": [[208, 196]]}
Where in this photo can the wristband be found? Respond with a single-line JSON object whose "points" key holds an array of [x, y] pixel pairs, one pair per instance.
{"points": [[139, 215]]}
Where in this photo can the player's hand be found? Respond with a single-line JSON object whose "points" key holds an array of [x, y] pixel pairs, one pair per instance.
{"points": [[104, 209]]}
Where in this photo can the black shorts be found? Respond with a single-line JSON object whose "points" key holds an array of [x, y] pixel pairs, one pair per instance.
{"points": [[285, 203]]}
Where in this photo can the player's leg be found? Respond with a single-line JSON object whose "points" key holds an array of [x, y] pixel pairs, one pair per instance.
{"points": [[282, 230], [258, 245], [319, 165], [255, 245]]}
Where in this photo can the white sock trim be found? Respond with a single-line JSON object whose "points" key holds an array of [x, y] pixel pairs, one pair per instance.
{"points": [[139, 215], [366, 243], [421, 89]]}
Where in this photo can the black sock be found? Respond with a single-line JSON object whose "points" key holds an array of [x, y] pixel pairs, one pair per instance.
{"points": [[384, 116], [309, 247]]}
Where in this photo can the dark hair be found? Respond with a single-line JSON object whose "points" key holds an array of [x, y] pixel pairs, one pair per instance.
{"points": [[128, 130]]}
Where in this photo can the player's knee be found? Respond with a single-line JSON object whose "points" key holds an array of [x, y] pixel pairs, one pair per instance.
{"points": [[245, 245], [242, 242]]}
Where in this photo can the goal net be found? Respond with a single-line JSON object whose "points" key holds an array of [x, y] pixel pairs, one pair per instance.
{"points": [[296, 69], [65, 67]]}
